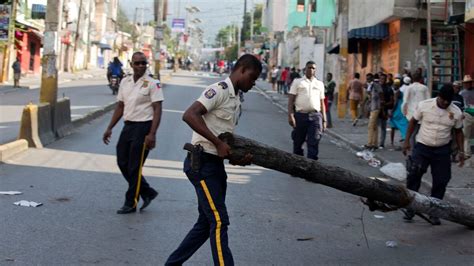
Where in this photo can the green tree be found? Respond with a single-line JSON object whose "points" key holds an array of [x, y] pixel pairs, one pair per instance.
{"points": [[257, 22]]}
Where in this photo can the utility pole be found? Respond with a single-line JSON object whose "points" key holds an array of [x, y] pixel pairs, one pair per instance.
{"points": [[238, 41], [342, 95], [159, 18], [251, 23], [430, 47], [88, 51], [76, 38], [308, 17], [243, 22], [49, 74]]}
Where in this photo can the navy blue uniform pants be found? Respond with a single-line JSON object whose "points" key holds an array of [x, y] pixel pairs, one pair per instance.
{"points": [[210, 184], [438, 158], [129, 152], [308, 128]]}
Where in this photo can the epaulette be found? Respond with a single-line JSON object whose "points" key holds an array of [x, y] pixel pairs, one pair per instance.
{"points": [[223, 85]]}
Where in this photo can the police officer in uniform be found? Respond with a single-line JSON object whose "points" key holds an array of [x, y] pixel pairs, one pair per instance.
{"points": [[437, 118], [216, 111], [306, 112], [139, 103]]}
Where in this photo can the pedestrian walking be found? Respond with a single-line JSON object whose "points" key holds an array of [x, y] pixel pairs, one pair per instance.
{"points": [[280, 80], [274, 75], [140, 100], [216, 111], [397, 119], [375, 93], [330, 87], [306, 112], [356, 92], [468, 96], [387, 105], [16, 73], [437, 118], [285, 76]]}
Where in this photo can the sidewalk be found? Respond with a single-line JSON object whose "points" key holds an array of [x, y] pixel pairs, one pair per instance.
{"points": [[462, 181], [34, 81]]}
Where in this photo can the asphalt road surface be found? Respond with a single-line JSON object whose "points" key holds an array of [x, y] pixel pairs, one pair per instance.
{"points": [[275, 219], [86, 95]]}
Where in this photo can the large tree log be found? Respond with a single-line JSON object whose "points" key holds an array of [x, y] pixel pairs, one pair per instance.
{"points": [[373, 189]]}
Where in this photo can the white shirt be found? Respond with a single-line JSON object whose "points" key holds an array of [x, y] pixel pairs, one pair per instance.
{"points": [[436, 123], [138, 97], [223, 108], [413, 95], [309, 93]]}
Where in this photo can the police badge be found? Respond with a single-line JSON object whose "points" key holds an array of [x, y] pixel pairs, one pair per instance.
{"points": [[210, 93]]}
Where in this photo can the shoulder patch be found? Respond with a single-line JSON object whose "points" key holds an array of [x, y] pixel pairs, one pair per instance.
{"points": [[210, 93], [158, 85], [223, 85]]}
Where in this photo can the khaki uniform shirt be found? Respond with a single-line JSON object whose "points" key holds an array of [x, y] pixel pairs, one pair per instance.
{"points": [[223, 108], [138, 97], [309, 93], [436, 123]]}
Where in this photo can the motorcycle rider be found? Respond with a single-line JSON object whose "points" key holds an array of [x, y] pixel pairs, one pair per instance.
{"points": [[115, 69]]}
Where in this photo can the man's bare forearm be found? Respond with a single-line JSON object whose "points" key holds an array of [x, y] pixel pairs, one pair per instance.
{"points": [[157, 110], [118, 113]]}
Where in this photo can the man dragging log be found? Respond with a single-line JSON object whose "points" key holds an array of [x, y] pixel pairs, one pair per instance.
{"points": [[215, 112], [437, 118]]}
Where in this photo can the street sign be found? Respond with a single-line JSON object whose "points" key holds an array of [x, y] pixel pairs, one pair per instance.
{"points": [[159, 33], [5, 14], [178, 25]]}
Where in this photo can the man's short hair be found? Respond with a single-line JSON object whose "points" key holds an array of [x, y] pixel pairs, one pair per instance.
{"points": [[248, 61], [369, 75], [137, 53], [310, 63], [446, 92], [376, 76], [357, 75], [330, 74], [417, 77]]}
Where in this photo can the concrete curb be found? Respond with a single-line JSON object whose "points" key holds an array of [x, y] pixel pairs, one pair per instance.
{"points": [[12, 148]]}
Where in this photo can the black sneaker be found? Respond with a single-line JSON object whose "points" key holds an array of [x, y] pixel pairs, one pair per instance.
{"points": [[434, 220], [409, 214], [355, 122], [147, 200]]}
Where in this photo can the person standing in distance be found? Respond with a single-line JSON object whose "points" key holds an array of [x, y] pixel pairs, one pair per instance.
{"points": [[140, 100], [216, 111], [306, 112]]}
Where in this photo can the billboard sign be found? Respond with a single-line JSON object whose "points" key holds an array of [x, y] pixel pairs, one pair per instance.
{"points": [[5, 14], [178, 25]]}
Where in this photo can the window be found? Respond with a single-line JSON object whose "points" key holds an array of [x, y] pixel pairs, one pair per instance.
{"points": [[423, 37], [313, 5], [300, 5]]}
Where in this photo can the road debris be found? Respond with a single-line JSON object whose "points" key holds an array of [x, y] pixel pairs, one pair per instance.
{"points": [[10, 193], [391, 244], [25, 203], [305, 239], [395, 170], [369, 157], [379, 216]]}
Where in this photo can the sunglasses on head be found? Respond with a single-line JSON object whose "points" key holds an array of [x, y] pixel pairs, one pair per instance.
{"points": [[137, 63]]}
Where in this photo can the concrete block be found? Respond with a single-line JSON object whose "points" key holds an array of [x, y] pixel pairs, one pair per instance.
{"points": [[45, 124], [62, 118], [29, 126], [12, 148]]}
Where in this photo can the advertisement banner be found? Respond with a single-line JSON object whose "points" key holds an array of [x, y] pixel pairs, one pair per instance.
{"points": [[5, 14], [178, 25]]}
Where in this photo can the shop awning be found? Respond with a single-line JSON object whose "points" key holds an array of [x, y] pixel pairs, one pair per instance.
{"points": [[377, 32]]}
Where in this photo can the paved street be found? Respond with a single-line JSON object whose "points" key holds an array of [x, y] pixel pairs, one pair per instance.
{"points": [[86, 94], [275, 218]]}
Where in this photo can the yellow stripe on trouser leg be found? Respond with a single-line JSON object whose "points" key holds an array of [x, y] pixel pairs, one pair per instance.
{"points": [[139, 181], [218, 222]]}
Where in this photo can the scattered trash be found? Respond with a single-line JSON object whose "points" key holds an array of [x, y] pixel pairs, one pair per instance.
{"points": [[379, 216], [305, 239], [369, 157], [25, 203], [10, 193], [395, 170], [9, 259], [391, 244]]}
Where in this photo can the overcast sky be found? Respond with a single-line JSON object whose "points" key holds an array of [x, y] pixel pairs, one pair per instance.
{"points": [[214, 14]]}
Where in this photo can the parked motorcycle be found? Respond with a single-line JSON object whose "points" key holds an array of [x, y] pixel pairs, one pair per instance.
{"points": [[114, 84]]}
